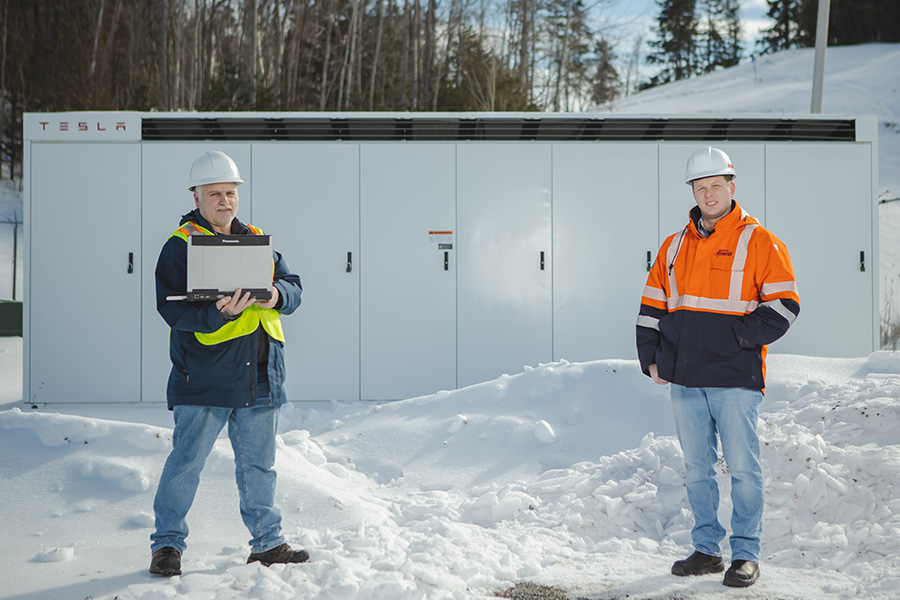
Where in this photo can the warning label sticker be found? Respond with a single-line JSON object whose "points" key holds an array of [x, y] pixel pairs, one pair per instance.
{"points": [[440, 237]]}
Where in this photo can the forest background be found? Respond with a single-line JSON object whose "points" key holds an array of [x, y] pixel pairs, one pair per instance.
{"points": [[376, 55]]}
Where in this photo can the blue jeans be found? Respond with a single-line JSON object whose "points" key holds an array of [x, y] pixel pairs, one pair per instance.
{"points": [[702, 415], [252, 434]]}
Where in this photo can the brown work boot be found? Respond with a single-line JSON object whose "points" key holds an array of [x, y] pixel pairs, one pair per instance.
{"points": [[166, 562], [280, 554]]}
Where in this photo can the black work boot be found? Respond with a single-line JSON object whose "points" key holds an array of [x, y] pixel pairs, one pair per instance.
{"points": [[279, 554], [166, 562], [742, 573], [698, 564]]}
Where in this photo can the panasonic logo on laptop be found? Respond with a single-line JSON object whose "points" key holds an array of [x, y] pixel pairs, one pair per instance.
{"points": [[231, 241]]}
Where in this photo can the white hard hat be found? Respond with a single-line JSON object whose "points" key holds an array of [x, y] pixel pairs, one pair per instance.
{"points": [[707, 162], [214, 167]]}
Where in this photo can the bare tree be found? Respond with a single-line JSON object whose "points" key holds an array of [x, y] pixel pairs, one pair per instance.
{"points": [[162, 15], [378, 33]]}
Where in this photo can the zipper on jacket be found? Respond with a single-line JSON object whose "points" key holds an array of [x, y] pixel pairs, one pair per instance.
{"points": [[677, 250]]}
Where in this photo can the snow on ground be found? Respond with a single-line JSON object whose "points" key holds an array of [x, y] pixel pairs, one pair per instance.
{"points": [[10, 201], [11, 212], [566, 474]]}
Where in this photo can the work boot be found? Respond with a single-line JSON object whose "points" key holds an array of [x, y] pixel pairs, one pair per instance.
{"points": [[166, 562], [698, 564], [742, 573], [279, 554]]}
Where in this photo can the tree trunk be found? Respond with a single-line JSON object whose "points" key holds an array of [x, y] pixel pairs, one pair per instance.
{"points": [[414, 38], [162, 14], [347, 63], [563, 57], [428, 83], [378, 34], [524, 42], [323, 92], [110, 38], [254, 50], [404, 63], [176, 99], [93, 66]]}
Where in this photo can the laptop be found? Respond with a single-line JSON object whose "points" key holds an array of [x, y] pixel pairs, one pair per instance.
{"points": [[217, 265]]}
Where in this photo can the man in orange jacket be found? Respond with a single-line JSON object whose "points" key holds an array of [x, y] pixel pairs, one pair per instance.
{"points": [[720, 291]]}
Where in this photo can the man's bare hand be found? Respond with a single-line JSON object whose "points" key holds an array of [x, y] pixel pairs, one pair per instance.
{"points": [[271, 302], [232, 306], [654, 374]]}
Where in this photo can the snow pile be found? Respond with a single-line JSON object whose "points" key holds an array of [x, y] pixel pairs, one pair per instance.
{"points": [[566, 474]]}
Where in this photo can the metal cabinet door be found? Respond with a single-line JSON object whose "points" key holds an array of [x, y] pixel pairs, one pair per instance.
{"points": [[166, 175], [605, 221], [838, 313], [84, 284], [408, 279], [505, 259], [307, 197]]}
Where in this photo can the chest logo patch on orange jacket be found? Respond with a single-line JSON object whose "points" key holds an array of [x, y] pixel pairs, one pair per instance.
{"points": [[724, 252]]}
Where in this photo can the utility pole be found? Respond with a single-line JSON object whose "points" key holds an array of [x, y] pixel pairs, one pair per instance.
{"points": [[819, 67]]}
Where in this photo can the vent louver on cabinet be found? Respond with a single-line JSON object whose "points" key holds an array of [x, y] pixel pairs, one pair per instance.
{"points": [[429, 128]]}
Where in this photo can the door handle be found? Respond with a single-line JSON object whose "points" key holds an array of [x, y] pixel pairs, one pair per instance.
{"points": [[349, 262], [862, 260], [131, 262], [446, 261], [542, 260], [649, 261]]}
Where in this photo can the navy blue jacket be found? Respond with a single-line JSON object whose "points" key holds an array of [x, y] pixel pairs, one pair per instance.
{"points": [[233, 374]]}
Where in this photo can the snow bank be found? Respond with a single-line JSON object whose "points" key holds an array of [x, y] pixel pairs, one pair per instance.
{"points": [[456, 495]]}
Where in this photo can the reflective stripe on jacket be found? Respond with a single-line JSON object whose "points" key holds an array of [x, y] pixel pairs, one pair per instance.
{"points": [[251, 318], [712, 304], [242, 371]]}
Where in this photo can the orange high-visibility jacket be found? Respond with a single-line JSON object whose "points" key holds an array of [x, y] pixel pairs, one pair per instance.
{"points": [[712, 304]]}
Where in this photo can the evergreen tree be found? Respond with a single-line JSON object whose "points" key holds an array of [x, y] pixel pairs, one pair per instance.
{"points": [[850, 22], [676, 46], [719, 34], [732, 20], [785, 32], [854, 21], [606, 84]]}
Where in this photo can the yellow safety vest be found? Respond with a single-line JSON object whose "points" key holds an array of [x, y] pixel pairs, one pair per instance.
{"points": [[252, 316]]}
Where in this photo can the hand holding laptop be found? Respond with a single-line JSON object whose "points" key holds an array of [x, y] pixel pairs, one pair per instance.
{"points": [[232, 306]]}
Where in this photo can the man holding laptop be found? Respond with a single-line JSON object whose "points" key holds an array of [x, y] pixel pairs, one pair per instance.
{"points": [[227, 368]]}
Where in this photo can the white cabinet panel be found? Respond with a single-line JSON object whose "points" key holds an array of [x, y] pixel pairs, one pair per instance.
{"points": [[504, 292], [604, 223], [408, 280], [166, 170], [308, 199], [807, 185], [676, 199], [84, 319]]}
